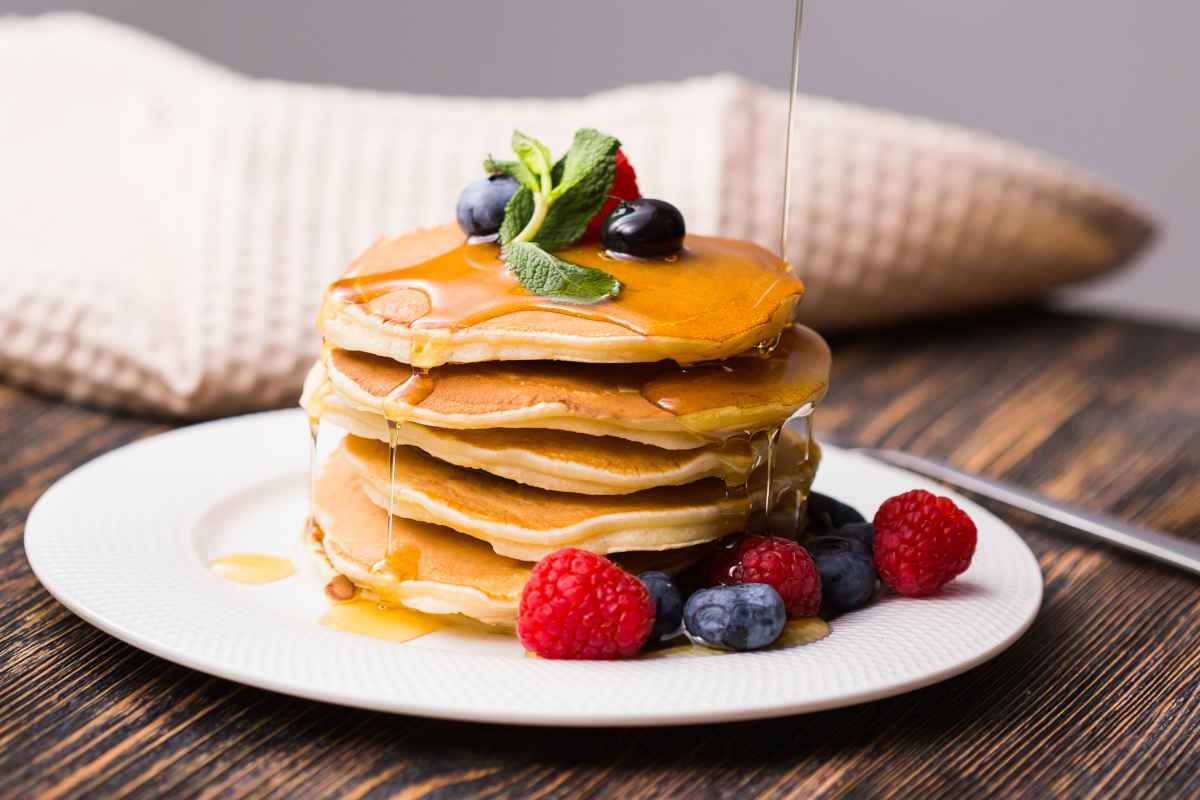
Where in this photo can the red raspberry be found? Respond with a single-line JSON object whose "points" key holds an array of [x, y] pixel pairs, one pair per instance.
{"points": [[580, 605], [921, 542], [780, 563], [624, 187]]}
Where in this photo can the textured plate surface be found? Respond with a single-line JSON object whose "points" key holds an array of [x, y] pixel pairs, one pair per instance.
{"points": [[124, 541]]}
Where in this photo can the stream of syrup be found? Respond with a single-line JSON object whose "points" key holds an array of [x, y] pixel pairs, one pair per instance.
{"points": [[789, 142]]}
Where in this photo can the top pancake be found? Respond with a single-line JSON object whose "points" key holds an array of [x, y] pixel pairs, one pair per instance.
{"points": [[428, 298]]}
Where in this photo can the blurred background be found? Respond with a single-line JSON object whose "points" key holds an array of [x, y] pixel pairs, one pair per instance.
{"points": [[1105, 85]]}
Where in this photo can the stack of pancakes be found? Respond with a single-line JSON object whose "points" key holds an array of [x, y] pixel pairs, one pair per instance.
{"points": [[498, 426]]}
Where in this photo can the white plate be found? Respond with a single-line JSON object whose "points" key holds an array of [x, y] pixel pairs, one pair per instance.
{"points": [[124, 541]]}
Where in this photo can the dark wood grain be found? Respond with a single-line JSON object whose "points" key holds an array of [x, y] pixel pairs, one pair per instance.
{"points": [[1100, 698]]}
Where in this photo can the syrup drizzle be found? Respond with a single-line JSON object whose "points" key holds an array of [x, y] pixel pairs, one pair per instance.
{"points": [[367, 618], [434, 281], [793, 92], [252, 568], [315, 407], [769, 494], [808, 435], [384, 565], [314, 432]]}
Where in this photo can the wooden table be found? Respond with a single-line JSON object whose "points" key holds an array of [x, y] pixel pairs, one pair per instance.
{"points": [[1100, 698]]}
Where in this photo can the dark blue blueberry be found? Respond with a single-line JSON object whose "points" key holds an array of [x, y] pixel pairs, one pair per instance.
{"points": [[826, 515], [847, 577], [481, 205], [835, 543], [746, 616], [668, 605], [862, 532], [644, 228]]}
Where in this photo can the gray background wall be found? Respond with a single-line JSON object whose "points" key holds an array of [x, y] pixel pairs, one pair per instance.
{"points": [[1110, 86]]}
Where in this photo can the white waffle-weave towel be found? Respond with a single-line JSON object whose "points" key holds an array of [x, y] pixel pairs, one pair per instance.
{"points": [[167, 226]]}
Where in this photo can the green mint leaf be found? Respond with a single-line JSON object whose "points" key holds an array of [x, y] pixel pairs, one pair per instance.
{"points": [[513, 169], [582, 181], [517, 214], [591, 150], [548, 276], [532, 153]]}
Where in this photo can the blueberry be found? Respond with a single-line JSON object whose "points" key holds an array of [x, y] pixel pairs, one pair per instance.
{"points": [[668, 605], [863, 532], [847, 577], [644, 228], [481, 205], [836, 543], [745, 616], [825, 514]]}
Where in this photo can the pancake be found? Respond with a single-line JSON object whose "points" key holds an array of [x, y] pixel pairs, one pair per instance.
{"points": [[659, 404], [555, 460], [428, 298], [528, 523], [451, 573]]}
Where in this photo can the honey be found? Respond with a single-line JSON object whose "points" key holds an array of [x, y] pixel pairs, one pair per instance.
{"points": [[715, 290], [367, 618], [315, 407], [252, 568]]}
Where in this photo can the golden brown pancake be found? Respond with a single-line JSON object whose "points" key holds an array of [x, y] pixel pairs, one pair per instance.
{"points": [[659, 404], [556, 460], [446, 572], [428, 298], [528, 523], [452, 573]]}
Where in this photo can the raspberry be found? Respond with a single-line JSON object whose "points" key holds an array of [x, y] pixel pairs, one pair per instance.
{"points": [[780, 563], [921, 542], [580, 605], [624, 187]]}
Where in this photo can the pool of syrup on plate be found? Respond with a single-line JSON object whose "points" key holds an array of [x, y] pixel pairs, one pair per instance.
{"points": [[252, 567]]}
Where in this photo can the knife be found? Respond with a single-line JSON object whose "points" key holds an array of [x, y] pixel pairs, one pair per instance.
{"points": [[1172, 550]]}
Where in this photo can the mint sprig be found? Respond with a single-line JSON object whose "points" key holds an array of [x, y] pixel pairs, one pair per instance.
{"points": [[513, 169], [561, 199], [551, 211], [547, 275]]}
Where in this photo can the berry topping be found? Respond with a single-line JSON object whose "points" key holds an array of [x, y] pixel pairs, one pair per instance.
{"points": [[668, 605], [825, 515], [481, 205], [861, 532], [579, 605], [777, 562], [644, 228], [835, 543], [743, 617], [624, 187], [922, 541], [847, 576]]}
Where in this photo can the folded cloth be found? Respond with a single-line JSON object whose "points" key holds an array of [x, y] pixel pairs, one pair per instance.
{"points": [[167, 226]]}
